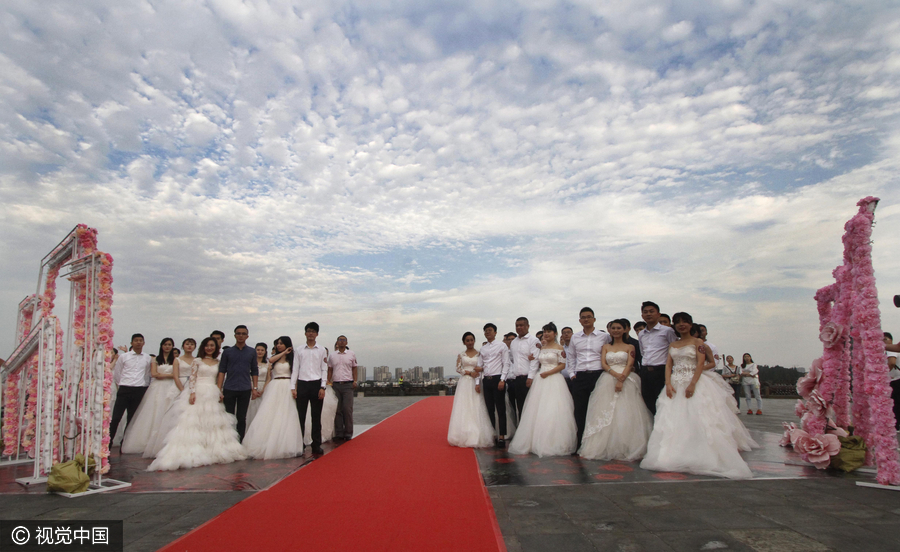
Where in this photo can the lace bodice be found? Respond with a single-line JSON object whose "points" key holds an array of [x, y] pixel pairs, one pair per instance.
{"points": [[465, 363], [617, 360], [684, 362], [550, 359], [202, 372], [281, 369], [263, 370]]}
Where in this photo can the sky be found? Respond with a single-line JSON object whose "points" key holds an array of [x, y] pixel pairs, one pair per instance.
{"points": [[403, 172]]}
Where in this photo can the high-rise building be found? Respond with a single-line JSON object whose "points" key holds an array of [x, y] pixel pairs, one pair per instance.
{"points": [[360, 374], [418, 374], [437, 372], [382, 373], [398, 374]]}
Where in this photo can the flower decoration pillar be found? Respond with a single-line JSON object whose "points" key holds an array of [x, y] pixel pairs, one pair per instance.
{"points": [[850, 330]]}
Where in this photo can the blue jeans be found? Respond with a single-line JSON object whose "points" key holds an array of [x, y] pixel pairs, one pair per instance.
{"points": [[752, 384]]}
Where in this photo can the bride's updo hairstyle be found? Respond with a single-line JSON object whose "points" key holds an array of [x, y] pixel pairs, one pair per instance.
{"points": [[466, 335], [681, 317], [550, 327]]}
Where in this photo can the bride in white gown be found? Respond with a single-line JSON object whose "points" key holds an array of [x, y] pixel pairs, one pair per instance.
{"points": [[164, 388], [204, 434], [695, 430], [547, 427], [470, 425], [275, 431], [618, 422], [262, 351]]}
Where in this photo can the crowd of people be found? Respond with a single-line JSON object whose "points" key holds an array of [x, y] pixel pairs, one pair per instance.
{"points": [[665, 397], [230, 403]]}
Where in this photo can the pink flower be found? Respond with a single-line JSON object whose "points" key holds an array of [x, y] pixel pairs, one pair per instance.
{"points": [[786, 438], [817, 450], [800, 408], [830, 334]]}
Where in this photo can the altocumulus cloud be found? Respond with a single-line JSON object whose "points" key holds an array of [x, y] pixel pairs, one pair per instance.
{"points": [[404, 172]]}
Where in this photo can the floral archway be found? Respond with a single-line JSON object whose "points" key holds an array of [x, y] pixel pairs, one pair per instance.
{"points": [[56, 393]]}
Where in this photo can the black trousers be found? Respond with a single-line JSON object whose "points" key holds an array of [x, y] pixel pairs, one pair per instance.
{"points": [[495, 399], [581, 389], [127, 400], [237, 403], [653, 381], [517, 389], [308, 396]]}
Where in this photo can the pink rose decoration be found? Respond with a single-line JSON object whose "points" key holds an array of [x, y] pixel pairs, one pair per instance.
{"points": [[816, 404], [830, 334], [786, 438], [800, 408], [817, 450]]}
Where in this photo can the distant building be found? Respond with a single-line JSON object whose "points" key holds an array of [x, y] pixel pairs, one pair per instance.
{"points": [[398, 374], [437, 372], [418, 374], [382, 373], [360, 374]]}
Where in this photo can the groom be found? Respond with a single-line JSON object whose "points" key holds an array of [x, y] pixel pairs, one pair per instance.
{"points": [[309, 376], [585, 366], [238, 374]]}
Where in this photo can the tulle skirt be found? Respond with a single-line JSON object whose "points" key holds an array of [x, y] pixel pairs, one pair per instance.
{"points": [[275, 431], [547, 427], [700, 435], [470, 425], [149, 415], [204, 433], [618, 425]]}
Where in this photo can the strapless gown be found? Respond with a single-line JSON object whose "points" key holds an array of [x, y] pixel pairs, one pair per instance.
{"points": [[275, 431], [701, 434], [618, 424], [148, 417], [470, 425]]}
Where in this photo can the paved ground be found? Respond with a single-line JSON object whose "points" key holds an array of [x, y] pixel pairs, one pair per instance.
{"points": [[153, 520], [765, 515], [791, 515]]}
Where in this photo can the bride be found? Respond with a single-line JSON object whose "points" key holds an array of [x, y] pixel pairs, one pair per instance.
{"points": [[470, 425], [695, 430], [204, 434], [275, 431], [618, 422], [547, 426]]}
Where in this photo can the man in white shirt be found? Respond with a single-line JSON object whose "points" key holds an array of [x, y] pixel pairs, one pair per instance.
{"points": [[717, 358], [523, 369], [654, 342], [584, 364], [309, 376], [342, 373], [495, 357], [565, 337], [132, 376]]}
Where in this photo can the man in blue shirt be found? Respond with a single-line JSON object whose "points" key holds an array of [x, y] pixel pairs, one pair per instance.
{"points": [[238, 374]]}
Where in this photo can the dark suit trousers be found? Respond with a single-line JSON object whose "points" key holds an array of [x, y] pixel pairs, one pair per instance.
{"points": [[582, 387], [127, 400], [308, 396], [653, 381], [495, 399], [517, 389], [236, 403]]}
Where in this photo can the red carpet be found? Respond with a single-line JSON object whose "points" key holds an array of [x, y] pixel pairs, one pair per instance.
{"points": [[398, 486]]}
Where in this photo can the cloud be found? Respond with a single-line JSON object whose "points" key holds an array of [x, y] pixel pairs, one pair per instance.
{"points": [[404, 172]]}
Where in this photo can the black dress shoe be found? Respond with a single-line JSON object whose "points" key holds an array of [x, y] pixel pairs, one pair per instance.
{"points": [[317, 451], [501, 443]]}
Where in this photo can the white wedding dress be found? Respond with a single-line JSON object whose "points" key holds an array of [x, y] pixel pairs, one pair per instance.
{"points": [[547, 427], [329, 411], [204, 433], [275, 431], [253, 408], [701, 434], [618, 424], [149, 415], [470, 425]]}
